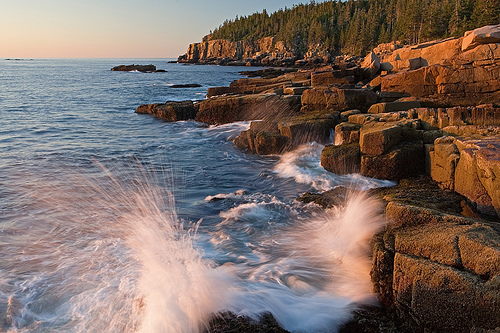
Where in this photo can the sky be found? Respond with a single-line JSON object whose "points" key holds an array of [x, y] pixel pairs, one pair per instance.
{"points": [[115, 28]]}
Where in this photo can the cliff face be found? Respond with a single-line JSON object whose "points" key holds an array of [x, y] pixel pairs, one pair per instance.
{"points": [[260, 52], [237, 51]]}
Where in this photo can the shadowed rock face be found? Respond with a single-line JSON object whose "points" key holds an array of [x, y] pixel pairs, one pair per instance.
{"points": [[336, 99], [342, 159], [229, 109], [228, 322]]}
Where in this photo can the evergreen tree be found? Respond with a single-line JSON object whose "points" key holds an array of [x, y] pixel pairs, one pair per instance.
{"points": [[356, 26]]}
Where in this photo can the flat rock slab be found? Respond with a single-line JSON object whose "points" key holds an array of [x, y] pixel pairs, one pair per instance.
{"points": [[484, 35]]}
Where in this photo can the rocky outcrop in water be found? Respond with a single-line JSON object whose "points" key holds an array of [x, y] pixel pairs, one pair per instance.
{"points": [[138, 68], [170, 111], [229, 322]]}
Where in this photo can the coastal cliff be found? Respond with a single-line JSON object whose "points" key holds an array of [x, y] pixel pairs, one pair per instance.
{"points": [[264, 51]]}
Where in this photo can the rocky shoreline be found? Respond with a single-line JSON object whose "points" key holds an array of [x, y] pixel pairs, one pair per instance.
{"points": [[427, 116]]}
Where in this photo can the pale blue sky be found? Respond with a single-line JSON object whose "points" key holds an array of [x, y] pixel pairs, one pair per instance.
{"points": [[115, 28]]}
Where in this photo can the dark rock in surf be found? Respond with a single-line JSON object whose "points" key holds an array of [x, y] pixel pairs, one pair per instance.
{"points": [[189, 85], [268, 73], [228, 109], [342, 159], [170, 111], [139, 68], [228, 322]]}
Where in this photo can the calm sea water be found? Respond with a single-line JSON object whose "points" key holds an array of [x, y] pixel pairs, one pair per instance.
{"points": [[112, 221]]}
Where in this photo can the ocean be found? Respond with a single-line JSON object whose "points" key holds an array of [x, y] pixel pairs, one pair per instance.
{"points": [[112, 221]]}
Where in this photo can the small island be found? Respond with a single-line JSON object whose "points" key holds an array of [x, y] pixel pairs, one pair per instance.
{"points": [[138, 68]]}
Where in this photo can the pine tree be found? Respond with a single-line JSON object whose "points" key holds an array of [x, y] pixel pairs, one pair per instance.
{"points": [[356, 26]]}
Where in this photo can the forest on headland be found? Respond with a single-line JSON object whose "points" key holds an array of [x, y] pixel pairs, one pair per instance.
{"points": [[357, 26]]}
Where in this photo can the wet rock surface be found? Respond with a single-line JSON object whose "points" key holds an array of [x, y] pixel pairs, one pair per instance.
{"points": [[228, 322]]}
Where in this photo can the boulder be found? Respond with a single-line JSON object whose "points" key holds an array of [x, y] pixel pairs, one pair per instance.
{"points": [[227, 109], [337, 77], [170, 111], [347, 133], [475, 174], [438, 270], [379, 138], [371, 65], [401, 161], [468, 78], [444, 160], [343, 159], [336, 99], [467, 181], [442, 297], [488, 170], [294, 90], [484, 35], [273, 135], [421, 55], [230, 322], [216, 91], [344, 116], [302, 130], [270, 143]]}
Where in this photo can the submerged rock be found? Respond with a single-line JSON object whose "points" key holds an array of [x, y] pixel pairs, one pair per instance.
{"points": [[189, 85], [228, 322]]}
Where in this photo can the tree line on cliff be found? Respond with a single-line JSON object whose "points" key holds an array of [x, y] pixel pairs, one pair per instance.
{"points": [[356, 26]]}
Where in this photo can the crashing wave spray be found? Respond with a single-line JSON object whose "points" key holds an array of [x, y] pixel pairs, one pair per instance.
{"points": [[180, 289], [316, 272], [107, 254]]}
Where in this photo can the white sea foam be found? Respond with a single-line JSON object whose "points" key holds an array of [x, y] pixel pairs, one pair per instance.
{"points": [[229, 131], [221, 196], [304, 165], [320, 272], [178, 290]]}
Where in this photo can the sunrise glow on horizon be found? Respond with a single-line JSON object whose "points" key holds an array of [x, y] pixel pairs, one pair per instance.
{"points": [[114, 29]]}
